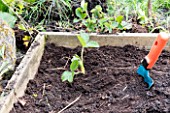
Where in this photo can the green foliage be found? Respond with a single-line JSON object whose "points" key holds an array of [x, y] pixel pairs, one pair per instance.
{"points": [[63, 7], [30, 1], [120, 24], [81, 13], [138, 9], [39, 12], [128, 8], [161, 4], [10, 19], [16, 5], [85, 42], [3, 8], [77, 61], [67, 76], [97, 12], [142, 17], [99, 21]]}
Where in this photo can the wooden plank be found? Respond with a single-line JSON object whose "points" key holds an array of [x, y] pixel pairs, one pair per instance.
{"points": [[137, 39], [24, 72]]}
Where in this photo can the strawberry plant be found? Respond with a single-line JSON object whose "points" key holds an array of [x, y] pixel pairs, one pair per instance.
{"points": [[77, 61], [99, 21]]}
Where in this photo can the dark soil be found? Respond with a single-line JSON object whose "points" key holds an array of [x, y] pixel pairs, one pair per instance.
{"points": [[7, 76], [110, 84]]}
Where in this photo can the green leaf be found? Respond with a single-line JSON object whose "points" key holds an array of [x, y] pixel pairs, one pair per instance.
{"points": [[120, 27], [30, 1], [75, 57], [10, 19], [103, 20], [119, 19], [90, 24], [92, 44], [22, 27], [83, 38], [67, 75], [21, 6], [82, 42], [126, 25], [115, 24], [107, 24], [3, 7], [76, 20], [80, 13], [99, 8], [97, 12], [84, 5], [74, 65]]}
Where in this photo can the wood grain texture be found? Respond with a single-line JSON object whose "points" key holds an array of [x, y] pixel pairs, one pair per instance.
{"points": [[137, 39], [24, 72]]}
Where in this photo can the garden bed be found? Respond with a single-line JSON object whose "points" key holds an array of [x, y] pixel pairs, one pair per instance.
{"points": [[109, 85]]}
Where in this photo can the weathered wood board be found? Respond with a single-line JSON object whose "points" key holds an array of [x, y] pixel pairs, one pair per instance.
{"points": [[137, 39], [30, 63], [24, 72]]}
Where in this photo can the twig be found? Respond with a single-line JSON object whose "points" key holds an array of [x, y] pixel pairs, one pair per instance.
{"points": [[126, 96], [124, 88], [67, 62], [69, 104], [149, 8], [43, 92], [54, 69], [48, 103]]}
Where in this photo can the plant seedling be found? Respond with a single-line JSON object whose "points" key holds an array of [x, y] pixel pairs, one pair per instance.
{"points": [[77, 61], [99, 21], [120, 24]]}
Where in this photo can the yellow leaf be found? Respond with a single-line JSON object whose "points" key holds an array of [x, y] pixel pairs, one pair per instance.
{"points": [[35, 95], [26, 38], [26, 44]]}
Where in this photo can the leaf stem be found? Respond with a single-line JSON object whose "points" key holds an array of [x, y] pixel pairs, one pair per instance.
{"points": [[82, 61], [82, 52]]}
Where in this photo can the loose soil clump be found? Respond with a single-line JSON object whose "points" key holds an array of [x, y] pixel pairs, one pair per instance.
{"points": [[110, 85]]}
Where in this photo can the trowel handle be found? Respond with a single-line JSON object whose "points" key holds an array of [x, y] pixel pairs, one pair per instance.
{"points": [[156, 49]]}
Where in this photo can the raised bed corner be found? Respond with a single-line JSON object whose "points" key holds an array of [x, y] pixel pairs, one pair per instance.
{"points": [[24, 72]]}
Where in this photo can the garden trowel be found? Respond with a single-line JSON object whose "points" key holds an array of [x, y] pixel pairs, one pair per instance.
{"points": [[149, 60]]}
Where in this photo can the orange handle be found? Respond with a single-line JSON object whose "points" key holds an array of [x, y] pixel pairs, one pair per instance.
{"points": [[156, 49]]}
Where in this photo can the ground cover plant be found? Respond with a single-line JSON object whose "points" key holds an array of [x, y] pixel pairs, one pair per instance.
{"points": [[103, 16]]}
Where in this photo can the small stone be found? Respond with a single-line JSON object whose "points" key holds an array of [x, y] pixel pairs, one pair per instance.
{"points": [[150, 94]]}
